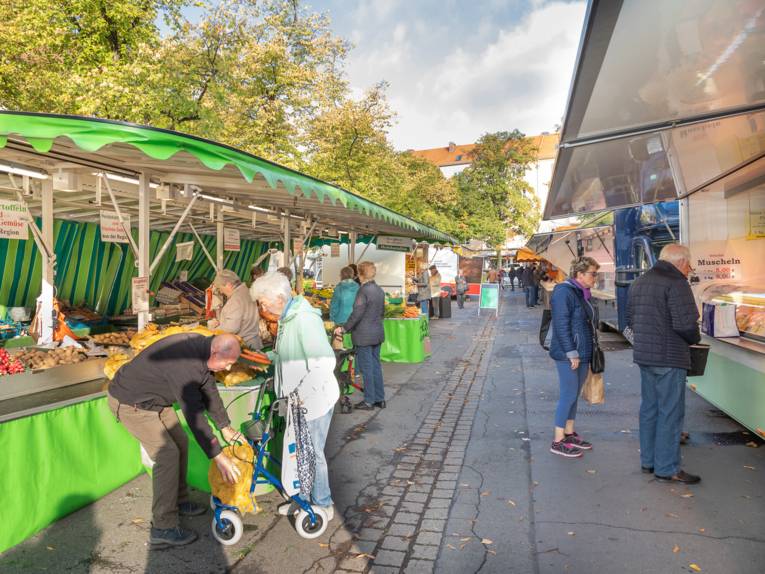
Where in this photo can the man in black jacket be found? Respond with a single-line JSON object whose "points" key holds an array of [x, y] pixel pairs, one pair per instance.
{"points": [[365, 325], [176, 369], [662, 314]]}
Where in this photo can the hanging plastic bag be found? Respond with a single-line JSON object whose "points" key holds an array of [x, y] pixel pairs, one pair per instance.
{"points": [[593, 390], [237, 494]]}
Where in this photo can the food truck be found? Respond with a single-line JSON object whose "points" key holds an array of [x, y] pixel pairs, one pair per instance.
{"points": [[682, 118]]}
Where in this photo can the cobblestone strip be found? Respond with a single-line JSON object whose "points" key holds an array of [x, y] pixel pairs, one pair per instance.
{"points": [[405, 531]]}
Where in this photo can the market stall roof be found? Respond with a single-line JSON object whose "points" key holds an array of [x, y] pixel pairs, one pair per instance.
{"points": [[253, 192], [668, 97], [539, 242]]}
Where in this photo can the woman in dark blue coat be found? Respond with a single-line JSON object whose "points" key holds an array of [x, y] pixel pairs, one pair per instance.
{"points": [[573, 325]]}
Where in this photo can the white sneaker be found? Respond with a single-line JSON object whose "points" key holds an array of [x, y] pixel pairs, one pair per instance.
{"points": [[329, 511], [287, 508]]}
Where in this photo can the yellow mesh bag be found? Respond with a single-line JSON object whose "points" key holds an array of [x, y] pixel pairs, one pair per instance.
{"points": [[235, 494]]}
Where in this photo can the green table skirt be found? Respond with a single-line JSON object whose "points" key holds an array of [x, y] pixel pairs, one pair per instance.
{"points": [[406, 340], [59, 461]]}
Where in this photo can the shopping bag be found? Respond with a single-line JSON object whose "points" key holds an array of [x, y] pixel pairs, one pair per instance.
{"points": [[237, 494], [593, 390], [290, 479]]}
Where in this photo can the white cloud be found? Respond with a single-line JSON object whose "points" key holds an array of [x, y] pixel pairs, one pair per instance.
{"points": [[447, 88]]}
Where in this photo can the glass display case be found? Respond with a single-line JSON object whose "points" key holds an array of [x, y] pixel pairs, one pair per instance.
{"points": [[747, 299]]}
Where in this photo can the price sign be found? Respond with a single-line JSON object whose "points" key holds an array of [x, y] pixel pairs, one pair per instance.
{"points": [[184, 251], [231, 239], [112, 230], [140, 299], [13, 220]]}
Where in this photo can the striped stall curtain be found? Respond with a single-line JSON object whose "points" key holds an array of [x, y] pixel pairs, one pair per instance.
{"points": [[98, 275]]}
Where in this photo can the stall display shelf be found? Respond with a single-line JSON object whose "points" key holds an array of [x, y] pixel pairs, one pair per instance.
{"points": [[32, 382]]}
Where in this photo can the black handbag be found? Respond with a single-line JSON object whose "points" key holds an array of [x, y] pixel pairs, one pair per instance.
{"points": [[545, 330], [598, 359]]}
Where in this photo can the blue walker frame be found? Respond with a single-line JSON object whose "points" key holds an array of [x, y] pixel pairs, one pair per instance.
{"points": [[260, 474]]}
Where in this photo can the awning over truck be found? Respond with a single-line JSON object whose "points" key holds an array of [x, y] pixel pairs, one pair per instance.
{"points": [[668, 97]]}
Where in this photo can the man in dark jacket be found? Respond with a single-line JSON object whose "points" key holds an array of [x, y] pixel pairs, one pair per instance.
{"points": [[176, 369], [366, 328], [662, 314]]}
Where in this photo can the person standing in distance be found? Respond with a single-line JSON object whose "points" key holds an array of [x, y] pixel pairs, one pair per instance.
{"points": [[367, 333], [662, 313]]}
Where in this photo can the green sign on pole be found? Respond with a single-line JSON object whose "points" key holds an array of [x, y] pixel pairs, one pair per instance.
{"points": [[489, 298]]}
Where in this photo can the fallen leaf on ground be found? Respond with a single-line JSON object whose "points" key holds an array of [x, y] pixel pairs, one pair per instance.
{"points": [[463, 545], [671, 515], [486, 541], [694, 567], [702, 530], [676, 549], [323, 545], [137, 520], [50, 547], [748, 467], [370, 556], [486, 493], [452, 547], [492, 552], [571, 533], [591, 471], [511, 503], [752, 444], [467, 538], [686, 495]]}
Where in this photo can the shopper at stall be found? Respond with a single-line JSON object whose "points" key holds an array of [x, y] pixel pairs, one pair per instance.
{"points": [[461, 285], [573, 327], [663, 316], [239, 314], [256, 273], [435, 291], [343, 297], [367, 333], [355, 269], [304, 362], [176, 369], [423, 290]]}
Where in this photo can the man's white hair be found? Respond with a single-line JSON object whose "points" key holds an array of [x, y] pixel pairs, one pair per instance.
{"points": [[270, 287], [675, 253]]}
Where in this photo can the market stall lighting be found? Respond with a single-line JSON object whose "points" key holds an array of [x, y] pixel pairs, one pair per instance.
{"points": [[125, 179], [216, 199], [18, 169]]}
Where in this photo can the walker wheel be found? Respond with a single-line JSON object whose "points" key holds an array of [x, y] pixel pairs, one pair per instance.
{"points": [[307, 530], [230, 530]]}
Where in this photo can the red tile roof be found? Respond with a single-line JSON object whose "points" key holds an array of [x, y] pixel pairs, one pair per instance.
{"points": [[546, 144]]}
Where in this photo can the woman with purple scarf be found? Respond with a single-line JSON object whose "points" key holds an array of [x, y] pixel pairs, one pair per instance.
{"points": [[573, 324]]}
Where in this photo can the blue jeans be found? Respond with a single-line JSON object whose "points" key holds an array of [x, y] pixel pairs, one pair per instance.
{"points": [[319, 428], [371, 371], [424, 304], [662, 410], [570, 382], [532, 294]]}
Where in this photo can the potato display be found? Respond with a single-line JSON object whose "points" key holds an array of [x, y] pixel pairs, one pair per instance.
{"points": [[120, 338], [35, 359]]}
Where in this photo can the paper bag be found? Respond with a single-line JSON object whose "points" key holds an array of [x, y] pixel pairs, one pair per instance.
{"points": [[593, 390]]}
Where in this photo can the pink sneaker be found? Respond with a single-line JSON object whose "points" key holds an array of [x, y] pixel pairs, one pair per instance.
{"points": [[563, 448]]}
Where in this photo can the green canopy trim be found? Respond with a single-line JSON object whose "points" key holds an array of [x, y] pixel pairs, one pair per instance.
{"points": [[92, 134]]}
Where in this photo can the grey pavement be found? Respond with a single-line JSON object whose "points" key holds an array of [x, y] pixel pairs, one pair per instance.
{"points": [[455, 476]]}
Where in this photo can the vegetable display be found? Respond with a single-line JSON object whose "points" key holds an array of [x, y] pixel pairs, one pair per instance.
{"points": [[9, 365]]}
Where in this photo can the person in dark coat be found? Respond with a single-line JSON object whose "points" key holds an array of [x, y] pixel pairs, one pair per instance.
{"points": [[573, 325], [530, 286], [663, 316], [366, 328]]}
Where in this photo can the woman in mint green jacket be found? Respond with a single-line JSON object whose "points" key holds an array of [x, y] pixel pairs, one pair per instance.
{"points": [[304, 362], [342, 300]]}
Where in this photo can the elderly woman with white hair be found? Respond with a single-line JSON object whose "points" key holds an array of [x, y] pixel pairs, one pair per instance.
{"points": [[304, 362]]}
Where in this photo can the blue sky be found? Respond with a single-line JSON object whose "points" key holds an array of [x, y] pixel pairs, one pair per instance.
{"points": [[458, 69]]}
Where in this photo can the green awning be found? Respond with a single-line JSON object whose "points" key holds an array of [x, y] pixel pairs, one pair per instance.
{"points": [[96, 141]]}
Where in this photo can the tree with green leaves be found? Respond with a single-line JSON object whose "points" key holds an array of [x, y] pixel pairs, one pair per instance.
{"points": [[494, 199]]}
